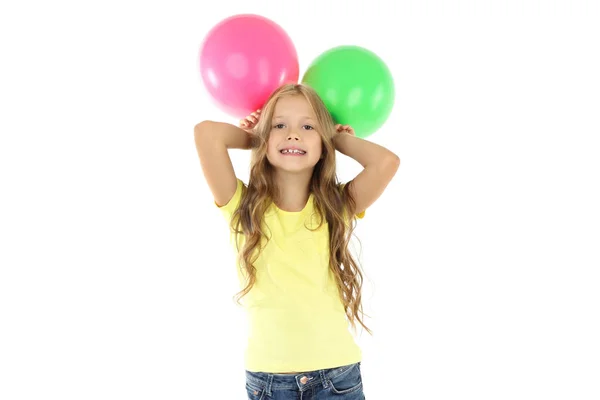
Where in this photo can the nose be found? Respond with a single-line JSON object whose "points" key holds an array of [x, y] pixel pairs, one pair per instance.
{"points": [[293, 136]]}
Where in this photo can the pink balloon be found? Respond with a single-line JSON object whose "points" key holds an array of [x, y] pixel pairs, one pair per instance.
{"points": [[243, 59]]}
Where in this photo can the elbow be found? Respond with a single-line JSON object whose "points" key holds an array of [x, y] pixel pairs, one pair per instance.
{"points": [[391, 164], [203, 127], [386, 164], [393, 161]]}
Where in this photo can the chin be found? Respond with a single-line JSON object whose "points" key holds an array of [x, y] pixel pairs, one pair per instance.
{"points": [[292, 169]]}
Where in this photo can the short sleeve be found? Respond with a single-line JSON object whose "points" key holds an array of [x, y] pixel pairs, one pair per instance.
{"points": [[228, 209]]}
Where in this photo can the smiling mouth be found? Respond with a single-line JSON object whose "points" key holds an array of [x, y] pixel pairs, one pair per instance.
{"points": [[294, 152]]}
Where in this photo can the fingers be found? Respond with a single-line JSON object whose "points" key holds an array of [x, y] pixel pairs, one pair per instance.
{"points": [[255, 115], [344, 128], [251, 119]]}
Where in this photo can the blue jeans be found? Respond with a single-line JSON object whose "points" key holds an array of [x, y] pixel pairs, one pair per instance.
{"points": [[341, 383]]}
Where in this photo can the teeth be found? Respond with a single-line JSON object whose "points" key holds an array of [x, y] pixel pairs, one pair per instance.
{"points": [[286, 151]]}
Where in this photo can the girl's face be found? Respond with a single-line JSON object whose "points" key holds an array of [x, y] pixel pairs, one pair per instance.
{"points": [[294, 142]]}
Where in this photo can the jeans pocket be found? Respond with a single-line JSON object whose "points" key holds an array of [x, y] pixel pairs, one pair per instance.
{"points": [[255, 392], [347, 382]]}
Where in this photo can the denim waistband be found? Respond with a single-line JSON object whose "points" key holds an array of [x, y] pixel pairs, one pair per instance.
{"points": [[302, 381]]}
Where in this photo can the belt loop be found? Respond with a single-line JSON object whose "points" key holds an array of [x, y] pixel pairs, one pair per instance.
{"points": [[269, 385], [323, 379]]}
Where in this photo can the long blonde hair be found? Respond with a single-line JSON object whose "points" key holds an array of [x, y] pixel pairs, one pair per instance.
{"points": [[331, 199]]}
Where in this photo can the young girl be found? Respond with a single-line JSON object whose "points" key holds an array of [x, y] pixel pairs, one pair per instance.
{"points": [[291, 226]]}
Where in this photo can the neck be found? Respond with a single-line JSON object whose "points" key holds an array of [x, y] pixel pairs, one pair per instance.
{"points": [[293, 190]]}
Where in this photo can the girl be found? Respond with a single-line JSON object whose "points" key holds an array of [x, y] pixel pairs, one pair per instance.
{"points": [[291, 226]]}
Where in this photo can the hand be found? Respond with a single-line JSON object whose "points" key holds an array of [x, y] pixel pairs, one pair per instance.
{"points": [[344, 129], [250, 121]]}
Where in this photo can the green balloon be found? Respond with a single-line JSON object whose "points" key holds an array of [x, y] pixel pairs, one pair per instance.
{"points": [[355, 85]]}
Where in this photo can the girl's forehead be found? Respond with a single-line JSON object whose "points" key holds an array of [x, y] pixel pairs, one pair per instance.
{"points": [[293, 106]]}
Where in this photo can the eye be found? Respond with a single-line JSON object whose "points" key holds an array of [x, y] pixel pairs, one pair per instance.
{"points": [[278, 126], [308, 127]]}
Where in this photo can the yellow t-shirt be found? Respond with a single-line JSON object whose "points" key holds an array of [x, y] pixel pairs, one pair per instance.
{"points": [[297, 319]]}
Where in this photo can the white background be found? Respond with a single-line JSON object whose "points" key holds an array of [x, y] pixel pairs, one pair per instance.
{"points": [[481, 258]]}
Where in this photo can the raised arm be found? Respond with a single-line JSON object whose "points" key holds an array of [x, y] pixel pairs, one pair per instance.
{"points": [[380, 166], [213, 139]]}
